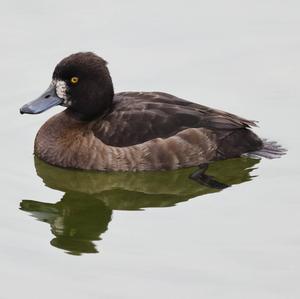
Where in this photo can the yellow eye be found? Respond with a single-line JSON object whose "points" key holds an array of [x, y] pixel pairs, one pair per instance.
{"points": [[74, 80]]}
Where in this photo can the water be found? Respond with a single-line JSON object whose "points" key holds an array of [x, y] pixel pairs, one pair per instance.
{"points": [[153, 235]]}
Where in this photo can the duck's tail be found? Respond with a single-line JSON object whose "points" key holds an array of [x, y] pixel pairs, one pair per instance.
{"points": [[269, 150]]}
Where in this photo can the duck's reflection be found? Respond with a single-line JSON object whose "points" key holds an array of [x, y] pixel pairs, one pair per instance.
{"points": [[85, 210]]}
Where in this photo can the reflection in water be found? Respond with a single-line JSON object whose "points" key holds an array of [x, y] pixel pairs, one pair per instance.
{"points": [[85, 210]]}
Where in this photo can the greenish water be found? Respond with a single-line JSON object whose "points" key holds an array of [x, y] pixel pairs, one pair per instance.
{"points": [[155, 235], [83, 213]]}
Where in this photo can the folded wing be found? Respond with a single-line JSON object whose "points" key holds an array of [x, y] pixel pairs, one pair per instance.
{"points": [[141, 116]]}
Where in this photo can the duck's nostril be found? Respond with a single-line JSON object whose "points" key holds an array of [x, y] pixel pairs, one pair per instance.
{"points": [[47, 96]]}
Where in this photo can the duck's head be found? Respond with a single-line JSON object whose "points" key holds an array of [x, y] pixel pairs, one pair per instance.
{"points": [[82, 83]]}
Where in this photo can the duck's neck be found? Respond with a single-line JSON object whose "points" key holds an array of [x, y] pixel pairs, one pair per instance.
{"points": [[83, 117], [93, 108]]}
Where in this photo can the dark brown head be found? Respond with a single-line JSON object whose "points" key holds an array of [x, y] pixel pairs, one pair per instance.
{"points": [[80, 82]]}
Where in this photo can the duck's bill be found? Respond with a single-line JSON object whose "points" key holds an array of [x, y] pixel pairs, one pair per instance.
{"points": [[46, 101]]}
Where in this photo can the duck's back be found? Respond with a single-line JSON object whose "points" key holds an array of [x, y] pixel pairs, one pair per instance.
{"points": [[138, 117]]}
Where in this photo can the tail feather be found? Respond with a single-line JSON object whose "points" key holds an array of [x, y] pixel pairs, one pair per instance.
{"points": [[269, 150]]}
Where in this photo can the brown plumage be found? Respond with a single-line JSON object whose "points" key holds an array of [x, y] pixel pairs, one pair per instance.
{"points": [[137, 117], [131, 131]]}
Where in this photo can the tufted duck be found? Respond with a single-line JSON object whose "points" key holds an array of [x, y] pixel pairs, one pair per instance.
{"points": [[132, 131]]}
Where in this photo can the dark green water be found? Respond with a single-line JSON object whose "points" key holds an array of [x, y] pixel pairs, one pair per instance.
{"points": [[83, 213]]}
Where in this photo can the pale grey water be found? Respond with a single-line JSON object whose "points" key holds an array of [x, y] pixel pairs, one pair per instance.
{"points": [[239, 56]]}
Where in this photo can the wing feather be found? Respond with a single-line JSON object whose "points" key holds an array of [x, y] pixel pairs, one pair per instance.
{"points": [[141, 116]]}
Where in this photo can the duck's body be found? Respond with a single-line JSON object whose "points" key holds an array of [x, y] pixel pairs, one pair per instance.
{"points": [[144, 131], [67, 142], [131, 131]]}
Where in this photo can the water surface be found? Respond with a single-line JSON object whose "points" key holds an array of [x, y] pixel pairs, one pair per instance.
{"points": [[85, 210], [157, 235]]}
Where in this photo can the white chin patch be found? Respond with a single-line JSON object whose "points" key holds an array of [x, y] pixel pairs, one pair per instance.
{"points": [[61, 91]]}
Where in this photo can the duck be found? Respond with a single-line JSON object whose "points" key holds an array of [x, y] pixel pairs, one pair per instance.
{"points": [[132, 131]]}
